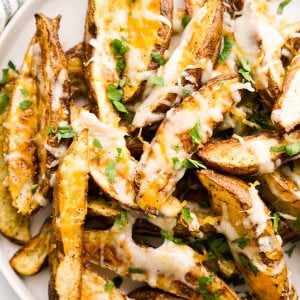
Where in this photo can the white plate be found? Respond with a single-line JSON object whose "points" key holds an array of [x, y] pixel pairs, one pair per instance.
{"points": [[13, 43]]}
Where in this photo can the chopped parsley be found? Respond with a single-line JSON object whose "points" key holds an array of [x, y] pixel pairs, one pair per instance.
{"points": [[135, 271], [158, 58], [289, 251], [218, 247], [176, 163], [118, 157], [119, 50], [228, 43], [195, 133], [248, 264], [97, 143], [33, 187], [245, 69], [241, 241], [12, 66], [203, 282], [157, 80], [291, 149], [24, 92], [110, 171], [65, 132], [186, 92], [193, 164], [282, 5], [122, 82], [4, 76], [49, 129], [25, 104], [276, 220], [186, 214], [176, 149], [185, 20], [4, 100], [170, 237], [115, 95], [109, 285], [120, 223], [277, 149]]}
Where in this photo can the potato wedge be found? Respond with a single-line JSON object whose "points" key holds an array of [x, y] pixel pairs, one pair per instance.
{"points": [[95, 287], [103, 22], [170, 267], [29, 260], [14, 226], [248, 228], [21, 131], [110, 162], [70, 208], [198, 50], [151, 294], [243, 156], [286, 112], [153, 18], [157, 174], [100, 207], [53, 112]]}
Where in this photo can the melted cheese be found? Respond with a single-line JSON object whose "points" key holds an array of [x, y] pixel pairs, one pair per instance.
{"points": [[58, 89]]}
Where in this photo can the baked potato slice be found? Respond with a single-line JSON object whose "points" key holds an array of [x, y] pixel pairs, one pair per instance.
{"points": [[197, 52], [103, 23], [170, 267], [281, 190], [29, 260], [286, 112], [51, 71], [21, 130], [101, 208], [146, 293], [248, 228], [157, 174], [153, 18], [243, 156], [14, 226], [69, 211], [110, 163], [95, 287]]}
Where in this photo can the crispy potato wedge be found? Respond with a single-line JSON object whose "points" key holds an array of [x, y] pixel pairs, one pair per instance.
{"points": [[151, 294], [243, 156], [244, 216], [14, 226], [70, 208], [110, 162], [53, 112], [170, 267], [103, 22], [100, 207], [198, 50], [286, 112], [157, 173], [21, 131], [153, 18], [29, 260], [281, 190], [95, 287]]}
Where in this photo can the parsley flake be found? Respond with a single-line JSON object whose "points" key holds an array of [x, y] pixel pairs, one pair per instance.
{"points": [[193, 164], [195, 133], [186, 92], [97, 143], [241, 241], [65, 132], [228, 43], [120, 223], [115, 95], [110, 171], [157, 80], [282, 5], [24, 92], [292, 149], [186, 214], [170, 237], [176, 163], [135, 271], [25, 104], [33, 187], [245, 69], [185, 20], [203, 282], [4, 100], [12, 66], [109, 285], [248, 264], [158, 58], [277, 148], [4, 76], [276, 220], [118, 157]]}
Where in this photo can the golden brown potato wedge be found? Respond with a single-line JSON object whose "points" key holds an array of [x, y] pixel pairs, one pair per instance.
{"points": [[51, 68], [70, 208], [14, 226], [95, 287], [243, 156], [21, 131], [160, 166], [29, 260], [152, 294], [198, 50], [170, 267], [110, 162], [100, 207], [248, 228], [286, 112], [103, 23], [153, 18]]}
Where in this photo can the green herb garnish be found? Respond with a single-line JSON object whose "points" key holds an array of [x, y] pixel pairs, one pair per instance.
{"points": [[4, 76], [185, 20], [110, 171], [33, 187], [186, 92], [193, 164], [157, 80], [97, 143], [158, 58], [195, 133], [115, 95], [49, 129], [228, 43], [135, 271], [25, 104], [241, 241], [276, 220], [170, 237], [109, 285], [186, 214], [118, 157], [203, 282], [245, 69], [12, 66], [248, 264], [176, 163], [4, 100], [120, 223], [65, 132], [282, 5]]}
